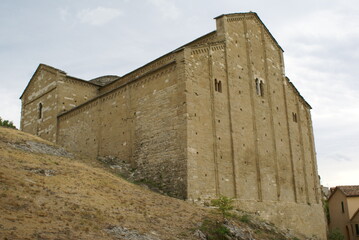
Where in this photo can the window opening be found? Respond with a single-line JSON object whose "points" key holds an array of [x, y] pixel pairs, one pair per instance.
{"points": [[342, 207], [295, 119], [357, 229], [259, 87], [217, 85], [40, 111]]}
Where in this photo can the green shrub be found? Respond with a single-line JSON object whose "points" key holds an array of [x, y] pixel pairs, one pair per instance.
{"points": [[335, 235], [7, 123], [214, 230], [245, 218], [224, 205]]}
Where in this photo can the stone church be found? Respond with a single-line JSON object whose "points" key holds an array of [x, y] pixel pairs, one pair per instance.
{"points": [[216, 116]]}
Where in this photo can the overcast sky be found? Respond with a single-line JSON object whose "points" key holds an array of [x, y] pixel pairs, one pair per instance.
{"points": [[91, 38]]}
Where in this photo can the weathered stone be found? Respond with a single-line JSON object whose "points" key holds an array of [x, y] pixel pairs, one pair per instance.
{"points": [[127, 234], [216, 117], [198, 233], [40, 171], [37, 147]]}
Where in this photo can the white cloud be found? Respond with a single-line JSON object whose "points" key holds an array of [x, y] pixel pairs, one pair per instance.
{"points": [[98, 16], [321, 58], [10, 107], [167, 8], [325, 24], [63, 14]]}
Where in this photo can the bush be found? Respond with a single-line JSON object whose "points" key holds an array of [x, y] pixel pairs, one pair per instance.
{"points": [[245, 218], [224, 205], [7, 123], [335, 235], [214, 230]]}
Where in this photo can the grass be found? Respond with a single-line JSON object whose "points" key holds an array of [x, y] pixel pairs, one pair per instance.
{"points": [[214, 230], [80, 200], [83, 198]]}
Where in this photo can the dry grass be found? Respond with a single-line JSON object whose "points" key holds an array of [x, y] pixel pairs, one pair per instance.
{"points": [[45, 196], [80, 200]]}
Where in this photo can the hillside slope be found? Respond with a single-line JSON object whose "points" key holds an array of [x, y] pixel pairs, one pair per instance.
{"points": [[47, 193]]}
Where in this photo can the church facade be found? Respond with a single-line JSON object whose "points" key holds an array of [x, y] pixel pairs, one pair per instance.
{"points": [[216, 116]]}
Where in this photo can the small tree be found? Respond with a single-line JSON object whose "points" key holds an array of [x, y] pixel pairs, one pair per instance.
{"points": [[7, 123], [224, 205], [335, 235]]}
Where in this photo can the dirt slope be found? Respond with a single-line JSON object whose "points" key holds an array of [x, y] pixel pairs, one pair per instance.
{"points": [[48, 193], [46, 196]]}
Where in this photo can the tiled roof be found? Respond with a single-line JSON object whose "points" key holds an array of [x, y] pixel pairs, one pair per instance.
{"points": [[350, 191]]}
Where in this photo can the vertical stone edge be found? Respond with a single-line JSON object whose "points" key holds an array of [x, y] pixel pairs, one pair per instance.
{"points": [[213, 115], [302, 150], [269, 97], [251, 78], [289, 139]]}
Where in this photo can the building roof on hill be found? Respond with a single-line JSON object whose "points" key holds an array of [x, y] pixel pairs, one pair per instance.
{"points": [[349, 191]]}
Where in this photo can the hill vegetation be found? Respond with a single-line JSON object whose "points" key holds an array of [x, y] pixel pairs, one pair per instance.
{"points": [[49, 193], [7, 123]]}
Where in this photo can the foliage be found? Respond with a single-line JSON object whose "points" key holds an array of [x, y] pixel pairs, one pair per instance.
{"points": [[326, 209], [224, 205], [7, 123], [245, 218], [214, 230], [335, 235]]}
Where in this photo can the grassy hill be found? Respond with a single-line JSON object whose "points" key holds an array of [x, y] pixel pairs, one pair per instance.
{"points": [[48, 193]]}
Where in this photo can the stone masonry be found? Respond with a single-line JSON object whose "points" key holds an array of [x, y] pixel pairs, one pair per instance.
{"points": [[216, 116]]}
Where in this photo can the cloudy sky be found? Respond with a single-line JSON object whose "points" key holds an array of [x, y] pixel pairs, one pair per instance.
{"points": [[90, 38]]}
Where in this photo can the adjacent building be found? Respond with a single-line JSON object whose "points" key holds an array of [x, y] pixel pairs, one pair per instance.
{"points": [[216, 116], [344, 211]]}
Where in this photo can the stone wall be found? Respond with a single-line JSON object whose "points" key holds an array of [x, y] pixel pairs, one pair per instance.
{"points": [[141, 122], [249, 130], [73, 92], [49, 93], [214, 117], [39, 104], [78, 129]]}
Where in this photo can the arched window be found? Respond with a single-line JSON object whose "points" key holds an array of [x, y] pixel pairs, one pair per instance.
{"points": [[217, 85], [259, 87], [40, 111]]}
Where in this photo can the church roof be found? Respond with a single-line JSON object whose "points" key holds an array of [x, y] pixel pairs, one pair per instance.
{"points": [[39, 68], [348, 191], [258, 18], [53, 69], [104, 80]]}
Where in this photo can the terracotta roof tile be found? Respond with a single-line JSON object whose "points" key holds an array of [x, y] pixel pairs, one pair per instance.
{"points": [[350, 191]]}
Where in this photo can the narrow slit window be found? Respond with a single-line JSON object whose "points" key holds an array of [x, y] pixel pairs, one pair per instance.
{"points": [[217, 85], [295, 119], [40, 111], [259, 87], [342, 207]]}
